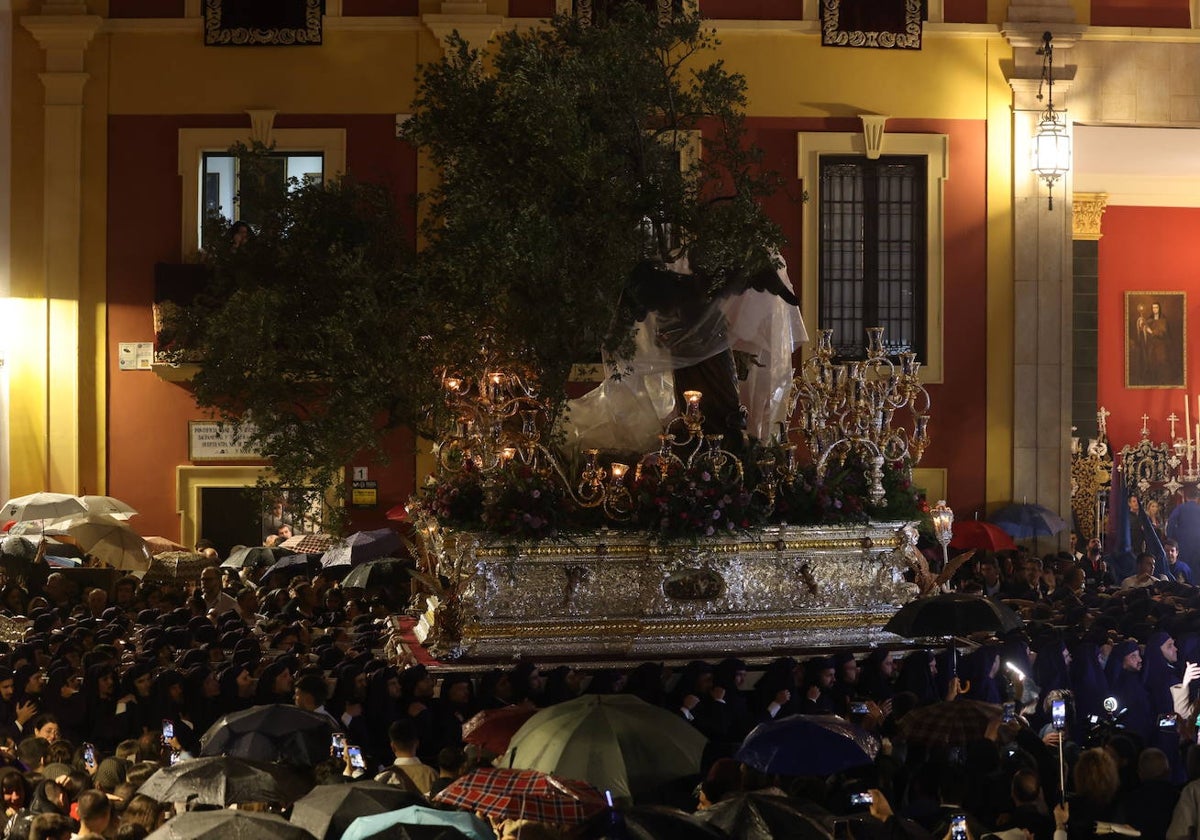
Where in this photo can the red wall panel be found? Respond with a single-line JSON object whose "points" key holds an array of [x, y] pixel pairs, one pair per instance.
{"points": [[380, 8], [1163, 13], [1145, 249]]}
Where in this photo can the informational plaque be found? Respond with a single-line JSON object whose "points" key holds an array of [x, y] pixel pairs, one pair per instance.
{"points": [[210, 440]]}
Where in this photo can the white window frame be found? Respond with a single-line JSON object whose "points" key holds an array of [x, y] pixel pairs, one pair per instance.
{"points": [[194, 142], [936, 149]]}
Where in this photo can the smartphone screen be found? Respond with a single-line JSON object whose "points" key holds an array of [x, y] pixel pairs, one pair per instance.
{"points": [[338, 744], [1010, 711], [861, 799], [1058, 714], [858, 708], [958, 827], [356, 759], [89, 755], [168, 730]]}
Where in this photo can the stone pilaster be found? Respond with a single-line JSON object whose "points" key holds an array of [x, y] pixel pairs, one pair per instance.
{"points": [[469, 18], [64, 31], [1042, 378]]}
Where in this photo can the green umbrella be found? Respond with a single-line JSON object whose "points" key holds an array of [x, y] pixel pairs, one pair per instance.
{"points": [[616, 742]]}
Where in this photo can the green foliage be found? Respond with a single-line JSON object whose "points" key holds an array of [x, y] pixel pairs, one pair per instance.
{"points": [[311, 328], [559, 165]]}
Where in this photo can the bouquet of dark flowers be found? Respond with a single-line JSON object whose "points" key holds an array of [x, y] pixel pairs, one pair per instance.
{"points": [[703, 499], [526, 502]]}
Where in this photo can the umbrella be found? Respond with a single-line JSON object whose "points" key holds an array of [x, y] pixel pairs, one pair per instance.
{"points": [[764, 816], [949, 722], [952, 614], [377, 573], [161, 545], [617, 742], [971, 533], [523, 794], [41, 506], [296, 563], [807, 745], [493, 729], [328, 810], [386, 826], [658, 822], [255, 556], [107, 538], [273, 732], [308, 543], [228, 825], [1026, 520], [176, 566], [222, 781], [361, 547], [108, 505]]}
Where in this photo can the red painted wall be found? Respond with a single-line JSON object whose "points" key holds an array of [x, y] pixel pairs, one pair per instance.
{"points": [[380, 8], [1145, 249], [147, 419], [1164, 13], [959, 405]]}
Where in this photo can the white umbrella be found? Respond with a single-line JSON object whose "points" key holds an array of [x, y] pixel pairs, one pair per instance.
{"points": [[107, 538], [41, 506], [108, 505]]}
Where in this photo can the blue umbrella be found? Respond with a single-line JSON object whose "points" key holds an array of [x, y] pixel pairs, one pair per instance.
{"points": [[361, 547], [1025, 520], [807, 745], [375, 825]]}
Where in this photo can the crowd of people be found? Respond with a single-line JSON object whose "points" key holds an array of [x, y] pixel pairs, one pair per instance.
{"points": [[94, 675]]}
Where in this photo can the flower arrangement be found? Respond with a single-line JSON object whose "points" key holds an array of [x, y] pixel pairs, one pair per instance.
{"points": [[678, 501]]}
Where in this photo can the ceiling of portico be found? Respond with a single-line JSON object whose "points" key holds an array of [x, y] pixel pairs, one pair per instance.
{"points": [[1138, 165]]}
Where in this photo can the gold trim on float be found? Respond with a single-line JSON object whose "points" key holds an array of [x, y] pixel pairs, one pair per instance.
{"points": [[510, 630], [655, 550]]}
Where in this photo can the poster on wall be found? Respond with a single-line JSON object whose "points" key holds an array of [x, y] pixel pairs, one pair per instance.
{"points": [[1155, 339]]}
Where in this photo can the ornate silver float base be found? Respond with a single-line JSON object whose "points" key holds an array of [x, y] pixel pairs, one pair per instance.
{"points": [[618, 595]]}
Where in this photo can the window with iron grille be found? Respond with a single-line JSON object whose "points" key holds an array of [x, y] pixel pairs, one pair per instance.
{"points": [[872, 260]]}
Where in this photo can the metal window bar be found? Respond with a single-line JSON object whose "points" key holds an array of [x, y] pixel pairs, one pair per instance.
{"points": [[872, 252]]}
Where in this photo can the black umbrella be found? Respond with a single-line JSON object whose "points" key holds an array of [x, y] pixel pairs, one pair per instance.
{"points": [[255, 556], [327, 811], [274, 732], [953, 614], [658, 822], [222, 781], [765, 816], [390, 570], [295, 563], [228, 825], [807, 745]]}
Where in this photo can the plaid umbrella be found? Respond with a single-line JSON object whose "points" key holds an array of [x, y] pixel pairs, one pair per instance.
{"points": [[492, 729], [523, 794], [161, 545], [176, 566], [949, 722], [971, 533], [308, 543]]}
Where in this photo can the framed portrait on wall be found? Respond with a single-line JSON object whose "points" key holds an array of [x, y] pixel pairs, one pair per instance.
{"points": [[1155, 339]]}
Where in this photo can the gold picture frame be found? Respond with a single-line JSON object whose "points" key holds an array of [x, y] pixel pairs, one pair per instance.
{"points": [[1155, 339]]}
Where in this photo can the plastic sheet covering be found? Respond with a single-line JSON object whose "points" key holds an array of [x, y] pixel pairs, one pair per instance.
{"points": [[637, 397]]}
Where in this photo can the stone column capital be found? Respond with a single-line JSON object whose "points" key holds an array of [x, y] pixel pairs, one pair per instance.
{"points": [[65, 38]]}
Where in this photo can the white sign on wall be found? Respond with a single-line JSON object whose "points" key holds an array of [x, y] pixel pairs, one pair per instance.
{"points": [[210, 440]]}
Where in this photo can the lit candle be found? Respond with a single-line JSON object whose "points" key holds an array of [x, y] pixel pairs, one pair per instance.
{"points": [[618, 472], [693, 402], [453, 383]]}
